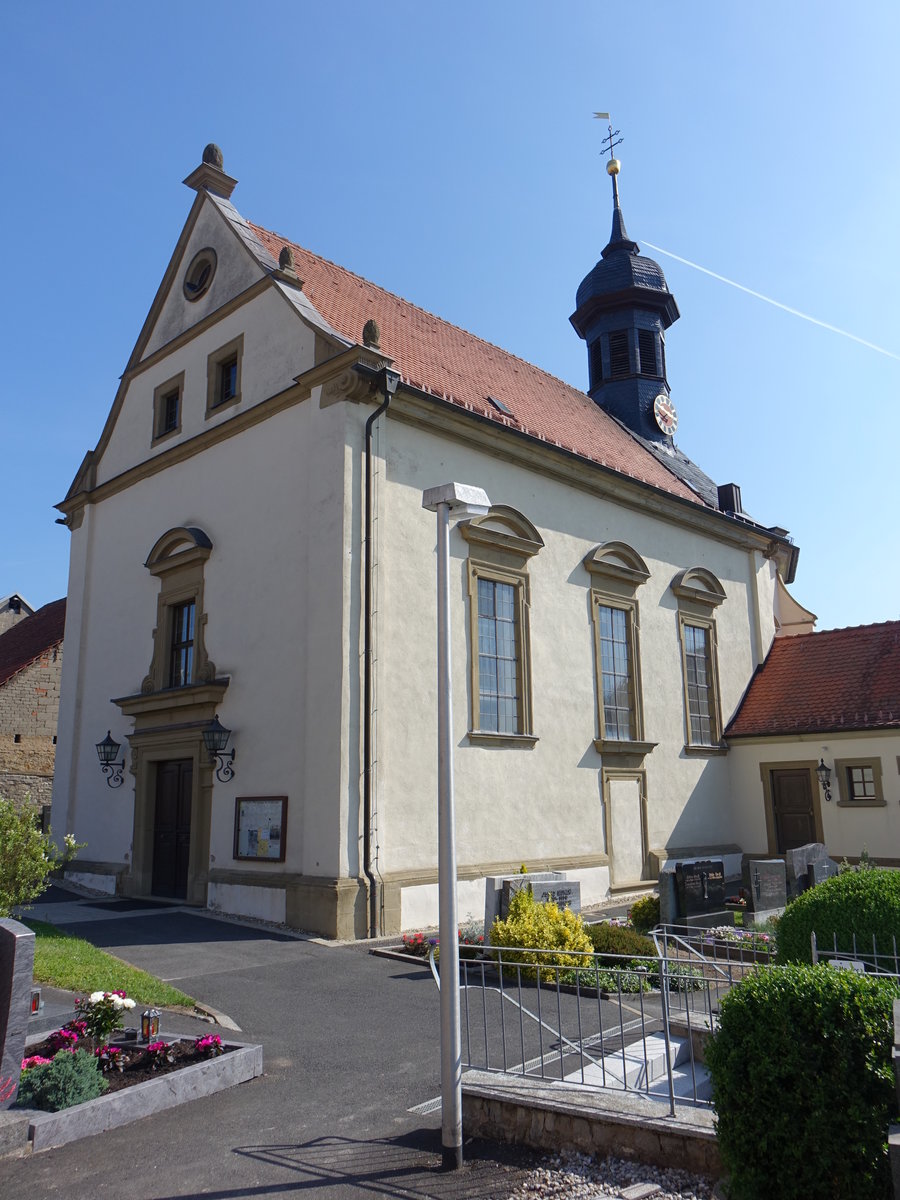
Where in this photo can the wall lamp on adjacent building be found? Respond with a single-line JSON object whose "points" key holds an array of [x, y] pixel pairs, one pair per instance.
{"points": [[824, 776], [215, 738], [106, 752]]}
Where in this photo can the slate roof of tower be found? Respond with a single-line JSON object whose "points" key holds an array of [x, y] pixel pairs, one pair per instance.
{"points": [[461, 369], [29, 638], [839, 679]]}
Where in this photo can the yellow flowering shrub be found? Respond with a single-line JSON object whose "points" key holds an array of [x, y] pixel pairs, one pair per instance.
{"points": [[532, 925]]}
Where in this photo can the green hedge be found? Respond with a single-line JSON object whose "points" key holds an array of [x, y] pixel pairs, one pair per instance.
{"points": [[644, 913], [864, 903], [803, 1086], [617, 940]]}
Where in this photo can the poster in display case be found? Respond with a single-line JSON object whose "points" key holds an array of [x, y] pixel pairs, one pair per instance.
{"points": [[260, 826]]}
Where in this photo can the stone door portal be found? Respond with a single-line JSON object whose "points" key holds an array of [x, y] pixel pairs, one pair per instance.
{"points": [[792, 804], [172, 828]]}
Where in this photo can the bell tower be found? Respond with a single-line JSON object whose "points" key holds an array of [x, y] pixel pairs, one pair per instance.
{"points": [[623, 309]]}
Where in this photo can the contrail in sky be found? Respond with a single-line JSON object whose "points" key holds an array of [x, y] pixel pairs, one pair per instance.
{"points": [[768, 299]]}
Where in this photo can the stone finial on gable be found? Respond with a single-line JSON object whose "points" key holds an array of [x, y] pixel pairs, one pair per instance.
{"points": [[371, 334], [210, 176], [286, 268]]}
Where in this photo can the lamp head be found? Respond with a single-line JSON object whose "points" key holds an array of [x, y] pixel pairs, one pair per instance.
{"points": [[463, 499], [107, 749]]}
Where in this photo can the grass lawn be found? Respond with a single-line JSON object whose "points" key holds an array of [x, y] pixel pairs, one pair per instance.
{"points": [[63, 961]]}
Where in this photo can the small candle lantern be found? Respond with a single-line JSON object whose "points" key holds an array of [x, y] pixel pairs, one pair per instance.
{"points": [[149, 1024], [37, 1003]]}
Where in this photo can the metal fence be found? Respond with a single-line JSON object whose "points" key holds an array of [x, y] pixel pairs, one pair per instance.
{"points": [[857, 955], [600, 1020]]}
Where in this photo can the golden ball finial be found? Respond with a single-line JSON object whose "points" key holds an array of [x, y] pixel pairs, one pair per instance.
{"points": [[612, 167]]}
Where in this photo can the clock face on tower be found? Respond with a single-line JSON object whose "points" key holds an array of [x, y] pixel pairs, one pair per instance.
{"points": [[665, 414]]}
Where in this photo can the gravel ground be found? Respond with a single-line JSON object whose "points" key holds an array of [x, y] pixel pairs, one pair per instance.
{"points": [[579, 1177]]}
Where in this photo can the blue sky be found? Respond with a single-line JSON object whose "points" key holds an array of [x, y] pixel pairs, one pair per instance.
{"points": [[448, 153]]}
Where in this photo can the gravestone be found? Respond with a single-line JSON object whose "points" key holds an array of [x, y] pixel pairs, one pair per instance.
{"points": [[668, 898], [16, 974], [765, 882], [701, 893], [798, 862], [565, 893], [493, 893], [821, 870]]}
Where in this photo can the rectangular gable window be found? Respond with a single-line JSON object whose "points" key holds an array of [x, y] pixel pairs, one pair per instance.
{"points": [[223, 376], [182, 654], [167, 400]]}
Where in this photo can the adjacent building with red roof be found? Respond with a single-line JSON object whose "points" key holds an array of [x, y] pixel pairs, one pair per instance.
{"points": [[251, 564], [828, 701], [30, 670]]}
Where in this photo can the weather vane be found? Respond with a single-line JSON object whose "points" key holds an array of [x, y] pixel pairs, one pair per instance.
{"points": [[612, 137]]}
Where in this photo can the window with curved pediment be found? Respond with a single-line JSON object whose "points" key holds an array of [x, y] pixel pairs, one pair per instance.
{"points": [[500, 546], [179, 648], [699, 593], [617, 571]]}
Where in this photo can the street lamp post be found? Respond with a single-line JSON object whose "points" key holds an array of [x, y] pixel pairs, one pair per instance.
{"points": [[457, 500]]}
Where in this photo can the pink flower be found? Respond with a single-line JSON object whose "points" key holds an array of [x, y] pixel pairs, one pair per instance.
{"points": [[35, 1061]]}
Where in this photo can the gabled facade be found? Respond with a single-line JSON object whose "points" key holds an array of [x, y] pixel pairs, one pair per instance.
{"points": [[254, 508], [31, 653], [829, 699]]}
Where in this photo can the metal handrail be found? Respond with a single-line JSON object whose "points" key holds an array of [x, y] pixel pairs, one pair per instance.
{"points": [[686, 945]]}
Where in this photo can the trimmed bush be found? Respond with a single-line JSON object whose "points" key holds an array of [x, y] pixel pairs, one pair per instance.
{"points": [[802, 1084], [618, 940], [644, 913], [70, 1078], [864, 903], [540, 926]]}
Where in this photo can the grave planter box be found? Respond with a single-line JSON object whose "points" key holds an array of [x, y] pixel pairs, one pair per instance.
{"points": [[46, 1130]]}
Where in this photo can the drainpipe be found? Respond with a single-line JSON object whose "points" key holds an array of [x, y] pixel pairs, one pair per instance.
{"points": [[388, 385]]}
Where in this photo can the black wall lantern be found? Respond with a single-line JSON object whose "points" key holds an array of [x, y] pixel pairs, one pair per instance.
{"points": [[215, 737], [824, 776], [106, 752]]}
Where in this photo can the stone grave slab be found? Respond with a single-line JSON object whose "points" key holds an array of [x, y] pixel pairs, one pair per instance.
{"points": [[820, 870], [668, 898], [701, 886], [765, 882], [16, 975], [562, 891], [797, 861], [493, 893]]}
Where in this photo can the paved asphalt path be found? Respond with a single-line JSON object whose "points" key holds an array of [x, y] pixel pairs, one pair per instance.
{"points": [[350, 1044]]}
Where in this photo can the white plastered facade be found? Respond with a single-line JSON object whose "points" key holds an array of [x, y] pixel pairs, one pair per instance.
{"points": [[276, 484]]}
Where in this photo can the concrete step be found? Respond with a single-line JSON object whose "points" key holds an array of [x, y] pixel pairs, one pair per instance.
{"points": [[642, 1068]]}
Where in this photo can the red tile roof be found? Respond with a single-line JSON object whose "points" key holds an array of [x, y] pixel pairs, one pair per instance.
{"points": [[458, 367], [825, 682], [29, 638]]}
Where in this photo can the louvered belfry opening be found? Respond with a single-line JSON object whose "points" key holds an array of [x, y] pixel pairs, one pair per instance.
{"points": [[619, 364], [596, 364], [647, 351]]}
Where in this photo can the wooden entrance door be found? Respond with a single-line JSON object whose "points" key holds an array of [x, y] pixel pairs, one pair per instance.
{"points": [[792, 804], [172, 828]]}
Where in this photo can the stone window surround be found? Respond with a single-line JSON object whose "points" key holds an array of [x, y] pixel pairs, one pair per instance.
{"points": [[617, 571], [177, 560], [234, 348], [502, 555], [176, 383], [845, 800], [698, 593]]}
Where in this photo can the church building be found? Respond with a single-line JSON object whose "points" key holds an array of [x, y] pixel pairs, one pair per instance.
{"points": [[252, 614]]}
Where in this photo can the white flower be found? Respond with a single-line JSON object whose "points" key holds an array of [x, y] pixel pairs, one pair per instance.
{"points": [[96, 996], [128, 1003]]}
